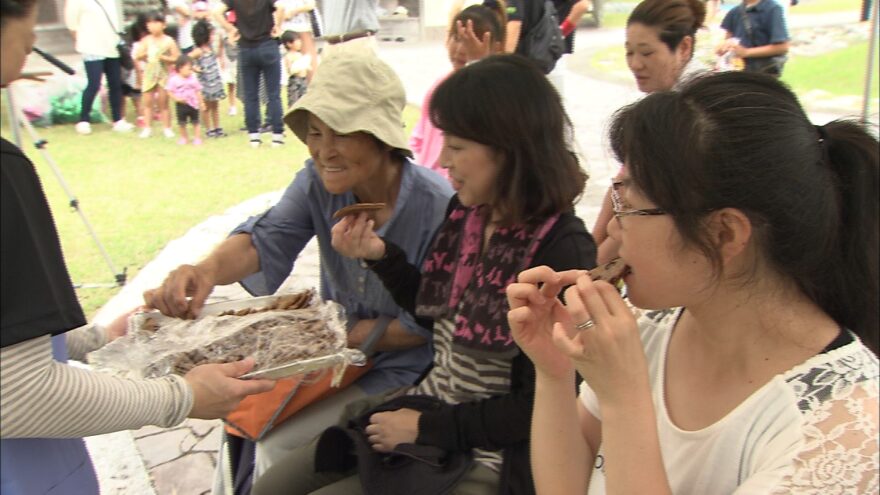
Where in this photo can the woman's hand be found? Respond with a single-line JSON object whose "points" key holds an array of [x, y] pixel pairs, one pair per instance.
{"points": [[353, 237], [171, 297], [608, 354], [474, 47], [217, 389], [534, 308], [390, 428]]}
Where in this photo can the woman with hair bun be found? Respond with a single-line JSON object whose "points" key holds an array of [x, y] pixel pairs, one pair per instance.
{"points": [[660, 40]]}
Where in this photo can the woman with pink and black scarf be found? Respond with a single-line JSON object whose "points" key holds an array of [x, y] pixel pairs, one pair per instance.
{"points": [[516, 180]]}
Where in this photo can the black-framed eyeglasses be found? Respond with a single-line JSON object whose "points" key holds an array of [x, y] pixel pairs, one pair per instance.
{"points": [[619, 209]]}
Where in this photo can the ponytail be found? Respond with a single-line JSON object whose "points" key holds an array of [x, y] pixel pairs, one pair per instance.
{"points": [[851, 292]]}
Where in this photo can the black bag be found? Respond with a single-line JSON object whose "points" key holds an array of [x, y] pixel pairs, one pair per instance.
{"points": [[409, 469], [125, 59], [544, 43]]}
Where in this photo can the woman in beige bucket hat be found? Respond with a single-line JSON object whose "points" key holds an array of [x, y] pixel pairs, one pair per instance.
{"points": [[351, 120]]}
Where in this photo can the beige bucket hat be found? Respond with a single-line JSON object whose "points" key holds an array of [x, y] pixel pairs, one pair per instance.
{"points": [[354, 92]]}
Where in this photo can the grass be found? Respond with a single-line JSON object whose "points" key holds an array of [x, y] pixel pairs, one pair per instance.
{"points": [[826, 6], [139, 194], [838, 73]]}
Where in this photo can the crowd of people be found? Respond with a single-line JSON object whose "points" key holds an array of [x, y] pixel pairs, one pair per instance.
{"points": [[738, 354]]}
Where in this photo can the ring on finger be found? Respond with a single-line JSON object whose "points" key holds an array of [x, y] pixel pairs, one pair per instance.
{"points": [[585, 325]]}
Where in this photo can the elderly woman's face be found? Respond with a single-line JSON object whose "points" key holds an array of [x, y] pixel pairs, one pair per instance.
{"points": [[16, 40], [344, 161]]}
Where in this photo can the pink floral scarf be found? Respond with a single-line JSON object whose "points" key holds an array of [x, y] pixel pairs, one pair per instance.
{"points": [[459, 283]]}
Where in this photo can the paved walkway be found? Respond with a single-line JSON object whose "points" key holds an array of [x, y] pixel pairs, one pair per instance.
{"points": [[181, 460]]}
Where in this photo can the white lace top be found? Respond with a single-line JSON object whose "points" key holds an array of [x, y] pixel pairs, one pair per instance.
{"points": [[810, 430]]}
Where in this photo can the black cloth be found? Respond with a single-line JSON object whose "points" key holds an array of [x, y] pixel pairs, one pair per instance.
{"points": [[38, 296], [526, 11], [185, 113], [500, 422], [409, 468], [254, 21], [563, 8]]}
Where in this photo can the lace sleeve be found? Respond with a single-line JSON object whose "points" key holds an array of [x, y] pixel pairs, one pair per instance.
{"points": [[839, 454]]}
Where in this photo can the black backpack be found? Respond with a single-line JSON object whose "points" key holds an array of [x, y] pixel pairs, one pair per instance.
{"points": [[544, 43]]}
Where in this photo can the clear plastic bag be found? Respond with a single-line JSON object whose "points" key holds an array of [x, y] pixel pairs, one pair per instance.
{"points": [[281, 341]]}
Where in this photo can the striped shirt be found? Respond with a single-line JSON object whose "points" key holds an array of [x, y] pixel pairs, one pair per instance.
{"points": [[457, 378], [42, 398]]}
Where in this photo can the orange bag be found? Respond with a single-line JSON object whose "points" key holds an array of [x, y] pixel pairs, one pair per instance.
{"points": [[257, 414]]}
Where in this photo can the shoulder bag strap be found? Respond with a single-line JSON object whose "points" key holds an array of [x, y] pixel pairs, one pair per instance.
{"points": [[118, 33], [747, 23]]}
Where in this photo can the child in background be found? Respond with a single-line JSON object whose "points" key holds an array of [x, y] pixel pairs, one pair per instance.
{"points": [[229, 68], [209, 76], [297, 65], [138, 32], [476, 32], [157, 50], [186, 91]]}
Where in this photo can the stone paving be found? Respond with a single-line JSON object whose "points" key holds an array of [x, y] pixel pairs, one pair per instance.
{"points": [[181, 460]]}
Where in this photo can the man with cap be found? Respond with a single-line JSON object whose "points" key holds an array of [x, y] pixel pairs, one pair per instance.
{"points": [[351, 120]]}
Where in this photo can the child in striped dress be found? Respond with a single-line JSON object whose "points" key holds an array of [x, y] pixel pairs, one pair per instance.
{"points": [[208, 69]]}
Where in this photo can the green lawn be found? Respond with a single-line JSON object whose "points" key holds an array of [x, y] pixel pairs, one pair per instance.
{"points": [[139, 194], [839, 73]]}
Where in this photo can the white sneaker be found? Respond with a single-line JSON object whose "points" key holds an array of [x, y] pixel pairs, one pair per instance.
{"points": [[145, 133], [233, 111], [123, 126], [83, 127], [168, 133]]}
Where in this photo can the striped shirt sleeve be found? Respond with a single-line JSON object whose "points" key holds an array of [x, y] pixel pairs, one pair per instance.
{"points": [[43, 398]]}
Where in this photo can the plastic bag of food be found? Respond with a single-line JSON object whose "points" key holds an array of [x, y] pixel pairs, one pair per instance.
{"points": [[285, 335]]}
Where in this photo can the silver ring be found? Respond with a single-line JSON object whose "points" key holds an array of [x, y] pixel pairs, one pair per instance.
{"points": [[585, 325]]}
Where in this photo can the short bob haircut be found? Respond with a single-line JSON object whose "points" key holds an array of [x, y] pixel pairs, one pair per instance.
{"points": [[505, 102], [741, 140]]}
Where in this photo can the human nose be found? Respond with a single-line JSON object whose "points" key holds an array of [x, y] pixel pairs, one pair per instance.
{"points": [[613, 228], [325, 146], [444, 160]]}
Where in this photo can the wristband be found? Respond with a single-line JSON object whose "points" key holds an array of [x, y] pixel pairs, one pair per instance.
{"points": [[566, 27]]}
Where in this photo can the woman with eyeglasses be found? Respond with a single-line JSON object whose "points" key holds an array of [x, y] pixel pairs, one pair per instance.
{"points": [[751, 238]]}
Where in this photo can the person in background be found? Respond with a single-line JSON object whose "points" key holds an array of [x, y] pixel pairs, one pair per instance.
{"points": [[474, 33], [257, 25], [350, 25], [157, 52], [660, 40], [350, 120], [295, 17], [185, 90], [297, 65], [751, 237], [516, 180], [186, 15], [206, 59], [95, 27], [570, 13], [47, 406], [756, 31], [229, 68]]}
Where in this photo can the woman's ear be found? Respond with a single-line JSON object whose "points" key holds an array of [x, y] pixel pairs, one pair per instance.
{"points": [[731, 231], [686, 49]]}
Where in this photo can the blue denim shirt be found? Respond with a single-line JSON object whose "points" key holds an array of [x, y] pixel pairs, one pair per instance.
{"points": [[305, 210], [768, 24]]}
